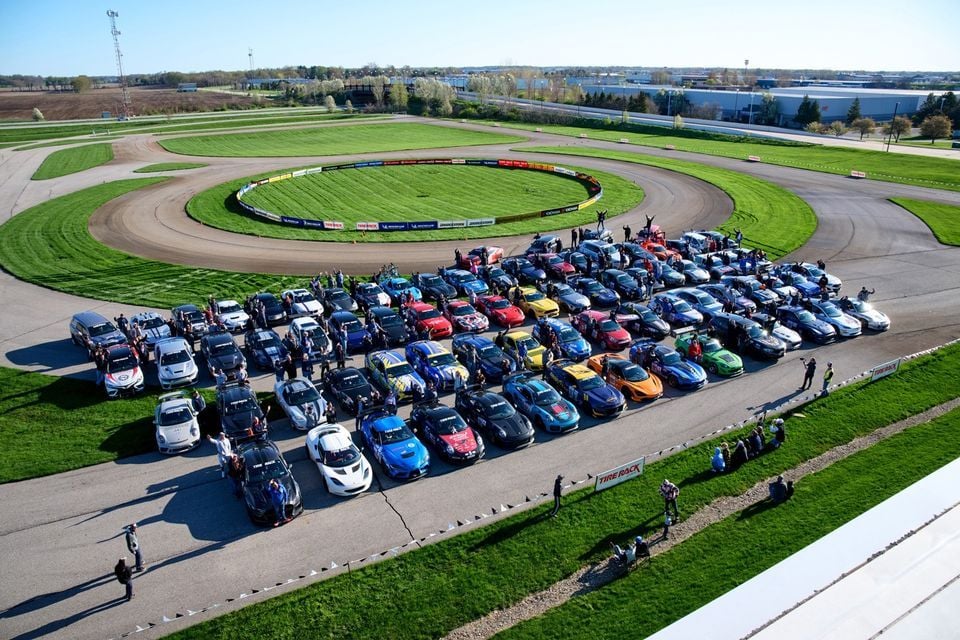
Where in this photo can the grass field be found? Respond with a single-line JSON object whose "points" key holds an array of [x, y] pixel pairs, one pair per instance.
{"points": [[50, 245], [422, 593], [218, 208], [943, 219], [918, 170], [72, 160], [770, 217], [331, 141], [169, 166]]}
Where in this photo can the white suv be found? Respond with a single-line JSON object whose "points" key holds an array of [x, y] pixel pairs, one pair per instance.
{"points": [[175, 364]]}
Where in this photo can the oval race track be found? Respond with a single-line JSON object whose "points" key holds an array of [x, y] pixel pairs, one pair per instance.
{"points": [[58, 533]]}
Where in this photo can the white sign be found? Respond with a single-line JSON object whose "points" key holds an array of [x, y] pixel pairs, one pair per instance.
{"points": [[885, 369], [622, 473]]}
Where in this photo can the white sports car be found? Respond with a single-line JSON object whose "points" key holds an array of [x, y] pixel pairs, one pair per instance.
{"points": [[175, 364], [176, 423], [301, 401], [303, 303], [232, 315], [345, 470], [865, 312]]}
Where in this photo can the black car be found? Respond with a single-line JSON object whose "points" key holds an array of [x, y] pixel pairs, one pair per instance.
{"points": [[432, 286], [621, 282], [264, 348], [240, 416], [336, 299], [647, 323], [188, 315], [222, 353], [348, 386], [392, 325], [494, 275], [577, 259], [544, 244], [262, 464], [494, 363], [745, 336], [369, 295], [272, 308], [600, 296], [492, 414], [524, 271], [447, 432]]}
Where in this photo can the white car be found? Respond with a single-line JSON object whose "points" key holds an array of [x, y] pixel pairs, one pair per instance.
{"points": [[122, 374], [301, 401], [303, 303], [176, 423], [846, 326], [175, 364], [345, 470], [232, 315], [152, 326], [299, 329], [868, 316], [790, 338]]}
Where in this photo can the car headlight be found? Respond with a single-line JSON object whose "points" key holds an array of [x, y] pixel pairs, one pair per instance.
{"points": [[194, 431], [336, 482], [161, 439], [449, 449], [366, 473]]}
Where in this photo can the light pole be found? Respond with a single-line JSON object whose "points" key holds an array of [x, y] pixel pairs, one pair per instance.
{"points": [[890, 135]]}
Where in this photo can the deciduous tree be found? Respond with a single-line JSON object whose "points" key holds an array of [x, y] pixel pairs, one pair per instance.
{"points": [[398, 95], [935, 127], [897, 127], [864, 126], [37, 115], [837, 128], [81, 84], [330, 104]]}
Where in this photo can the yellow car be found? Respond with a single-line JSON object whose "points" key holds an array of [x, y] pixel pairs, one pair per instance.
{"points": [[534, 358], [630, 379], [536, 304]]}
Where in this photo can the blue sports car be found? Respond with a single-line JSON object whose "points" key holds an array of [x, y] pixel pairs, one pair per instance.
{"points": [[397, 288], [573, 301], [433, 362], [464, 282], [345, 323], [541, 403], [264, 348], [572, 344], [668, 364], [494, 363], [585, 387], [524, 271], [600, 296], [393, 445], [675, 310]]}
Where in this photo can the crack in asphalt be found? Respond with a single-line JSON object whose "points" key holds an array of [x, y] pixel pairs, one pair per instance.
{"points": [[403, 520]]}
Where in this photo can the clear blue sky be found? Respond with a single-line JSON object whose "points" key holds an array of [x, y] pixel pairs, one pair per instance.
{"points": [[71, 37]]}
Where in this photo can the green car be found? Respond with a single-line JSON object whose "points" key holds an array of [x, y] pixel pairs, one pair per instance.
{"points": [[715, 358]]}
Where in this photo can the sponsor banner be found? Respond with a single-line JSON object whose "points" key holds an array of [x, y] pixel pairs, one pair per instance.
{"points": [[393, 226], [490, 163], [541, 167], [409, 162], [333, 225], [297, 222], [360, 165], [551, 212], [566, 172], [367, 226], [619, 474], [297, 174], [423, 225], [481, 222], [573, 207], [390, 163], [314, 224], [375, 163], [314, 170], [474, 162], [450, 224], [260, 182], [334, 167], [885, 369], [458, 161]]}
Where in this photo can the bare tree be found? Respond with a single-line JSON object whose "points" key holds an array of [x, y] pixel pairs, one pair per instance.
{"points": [[378, 85], [864, 126], [37, 115], [348, 106], [897, 127]]}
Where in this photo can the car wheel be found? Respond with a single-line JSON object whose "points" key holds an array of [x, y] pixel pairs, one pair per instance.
{"points": [[712, 368], [673, 381]]}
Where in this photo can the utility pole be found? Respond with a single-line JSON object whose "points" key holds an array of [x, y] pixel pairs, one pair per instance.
{"points": [[896, 107], [125, 106], [250, 56]]}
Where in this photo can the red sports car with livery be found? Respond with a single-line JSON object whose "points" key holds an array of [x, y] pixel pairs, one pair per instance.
{"points": [[599, 327], [426, 316], [501, 311]]}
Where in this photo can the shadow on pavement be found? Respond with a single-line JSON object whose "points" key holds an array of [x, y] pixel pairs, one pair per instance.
{"points": [[58, 625], [52, 355], [46, 599]]}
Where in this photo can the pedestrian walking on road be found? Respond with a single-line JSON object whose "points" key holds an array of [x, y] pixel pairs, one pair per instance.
{"points": [[124, 577], [670, 493], [810, 370], [557, 492], [827, 378], [133, 545]]}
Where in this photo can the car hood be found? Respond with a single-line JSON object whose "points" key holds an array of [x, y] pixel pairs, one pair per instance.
{"points": [[256, 494], [270, 353], [405, 383], [176, 433], [558, 411], [156, 333], [473, 321], [730, 359], [516, 426], [409, 454], [462, 442], [177, 370], [125, 378], [821, 326], [687, 370], [237, 423], [619, 336], [604, 396], [575, 299], [235, 317], [226, 361], [351, 476], [578, 347]]}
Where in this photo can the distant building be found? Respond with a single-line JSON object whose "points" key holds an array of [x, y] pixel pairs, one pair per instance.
{"points": [[187, 87]]}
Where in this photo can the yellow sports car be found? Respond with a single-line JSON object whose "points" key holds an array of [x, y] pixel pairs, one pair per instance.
{"points": [[630, 379], [534, 350], [536, 304]]}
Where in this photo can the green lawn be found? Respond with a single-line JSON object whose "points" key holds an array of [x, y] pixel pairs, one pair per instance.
{"points": [[72, 160], [331, 141], [217, 207], [422, 593], [50, 245], [169, 166], [770, 217], [943, 219], [917, 170]]}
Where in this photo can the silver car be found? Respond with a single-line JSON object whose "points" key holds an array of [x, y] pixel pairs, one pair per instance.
{"points": [[177, 429], [175, 364]]}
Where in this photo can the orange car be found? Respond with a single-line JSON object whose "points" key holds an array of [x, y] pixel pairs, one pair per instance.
{"points": [[630, 379], [660, 251]]}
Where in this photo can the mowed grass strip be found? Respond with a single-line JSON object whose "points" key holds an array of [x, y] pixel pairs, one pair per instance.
{"points": [[416, 192], [943, 219], [50, 245], [169, 166], [58, 143], [67, 161], [332, 141], [770, 217], [906, 169], [431, 591], [726, 554], [217, 207]]}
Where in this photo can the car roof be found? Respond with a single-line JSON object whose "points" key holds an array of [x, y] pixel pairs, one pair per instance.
{"points": [[217, 337], [302, 323], [594, 314], [296, 384], [387, 357], [517, 335], [172, 344], [186, 307], [429, 347], [145, 315], [334, 438], [578, 371], [115, 349], [343, 315], [337, 374], [258, 452], [383, 311], [386, 423], [265, 295], [234, 392]]}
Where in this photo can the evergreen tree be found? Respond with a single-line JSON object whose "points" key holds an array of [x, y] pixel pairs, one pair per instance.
{"points": [[807, 112], [853, 113]]}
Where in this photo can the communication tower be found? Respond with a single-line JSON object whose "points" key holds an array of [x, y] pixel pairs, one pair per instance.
{"points": [[125, 107]]}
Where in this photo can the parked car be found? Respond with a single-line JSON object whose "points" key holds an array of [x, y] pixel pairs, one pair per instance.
{"points": [[501, 311], [491, 359], [302, 328], [175, 423], [846, 326], [572, 344], [241, 418], [534, 303], [434, 362], [675, 310], [264, 348], [121, 374], [585, 388], [392, 325], [700, 300], [262, 464], [300, 302], [231, 315], [337, 299], [89, 329], [630, 379], [544, 244], [345, 325], [728, 296], [369, 295], [392, 372], [273, 309], [621, 282], [344, 469], [393, 445], [806, 324], [568, 298], [541, 403], [497, 276], [399, 289], [493, 414], [643, 322], [221, 353], [869, 317], [693, 273], [750, 287], [595, 248], [152, 327], [175, 364], [600, 328], [668, 364], [714, 358], [426, 317], [188, 315], [447, 432], [477, 254], [790, 338], [347, 386], [746, 336], [511, 345], [524, 271], [464, 317], [464, 282], [432, 286], [300, 400], [600, 296], [555, 266]]}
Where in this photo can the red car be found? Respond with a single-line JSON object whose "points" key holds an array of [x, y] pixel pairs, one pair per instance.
{"points": [[660, 251], [555, 266], [499, 310], [426, 316], [464, 317], [601, 328], [494, 254]]}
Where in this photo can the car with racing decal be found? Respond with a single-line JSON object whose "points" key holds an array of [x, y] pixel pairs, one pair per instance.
{"points": [[534, 350], [493, 415], [715, 265], [399, 289], [813, 273], [264, 348], [241, 417], [790, 338], [464, 317], [447, 432], [434, 362], [306, 332], [393, 445], [337, 299], [568, 298], [714, 358], [262, 464], [660, 251], [675, 310], [845, 325], [806, 288], [668, 364], [729, 297], [300, 302], [572, 345], [632, 380], [496, 277], [593, 249], [752, 288], [541, 403], [347, 386], [534, 303], [175, 423], [121, 374], [501, 311], [346, 325], [392, 372], [231, 315], [477, 254], [555, 266], [599, 327], [426, 317], [153, 328], [300, 400], [433, 287], [585, 388], [866, 313], [491, 359], [746, 336], [549, 243], [369, 295], [600, 296], [524, 271], [639, 319], [806, 324], [345, 471]]}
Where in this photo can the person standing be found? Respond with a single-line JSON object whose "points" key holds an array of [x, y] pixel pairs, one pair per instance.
{"points": [[573, 237], [667, 521], [224, 451], [670, 493], [278, 498], [739, 238], [626, 233], [864, 295], [330, 413], [340, 351], [306, 367], [290, 367], [235, 473], [810, 370], [827, 378], [557, 492], [124, 577], [133, 545]]}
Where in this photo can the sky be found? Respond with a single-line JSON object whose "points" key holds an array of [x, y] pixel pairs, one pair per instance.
{"points": [[72, 37]]}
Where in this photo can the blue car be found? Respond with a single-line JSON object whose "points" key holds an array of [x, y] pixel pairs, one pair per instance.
{"points": [[541, 403], [572, 344], [586, 388], [433, 362], [668, 364], [264, 348], [524, 271], [345, 323], [806, 288], [393, 445], [567, 298], [600, 296], [494, 363], [675, 310], [397, 288], [464, 282]]}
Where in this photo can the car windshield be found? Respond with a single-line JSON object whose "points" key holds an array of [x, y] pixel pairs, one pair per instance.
{"points": [[352, 326], [592, 287], [400, 285], [491, 352], [401, 369], [102, 329], [463, 278], [629, 371], [269, 470], [175, 416], [815, 272], [193, 316], [174, 357], [266, 342], [228, 308], [222, 348], [351, 381], [646, 314], [495, 272], [431, 281], [555, 260], [753, 284], [242, 405], [499, 410], [861, 306], [152, 323], [302, 396], [830, 310], [124, 363], [449, 424], [710, 346], [626, 280], [563, 289], [533, 296], [428, 314], [523, 263], [609, 326], [568, 334], [339, 296], [670, 358], [394, 435], [680, 306], [590, 382], [464, 310], [303, 296], [308, 327], [547, 396], [529, 343], [442, 360], [755, 331], [502, 303], [805, 316], [341, 457], [391, 320]]}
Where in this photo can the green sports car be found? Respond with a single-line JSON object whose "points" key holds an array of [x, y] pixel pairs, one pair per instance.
{"points": [[715, 358]]}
